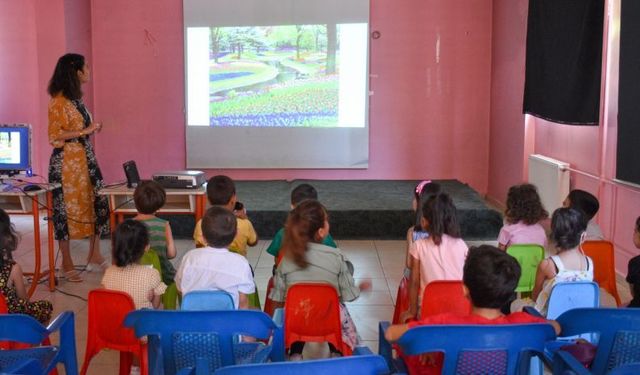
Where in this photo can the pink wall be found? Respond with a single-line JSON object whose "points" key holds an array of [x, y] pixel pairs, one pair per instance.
{"points": [[429, 115], [589, 150]]}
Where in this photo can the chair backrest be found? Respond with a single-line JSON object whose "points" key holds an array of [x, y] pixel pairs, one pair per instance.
{"points": [[604, 266], [207, 300], [479, 349], [312, 313], [528, 256], [572, 295], [177, 339], [444, 296], [107, 310], [618, 331], [269, 305], [402, 300], [359, 364]]}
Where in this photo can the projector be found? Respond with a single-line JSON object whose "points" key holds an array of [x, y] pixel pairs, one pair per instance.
{"points": [[180, 179]]}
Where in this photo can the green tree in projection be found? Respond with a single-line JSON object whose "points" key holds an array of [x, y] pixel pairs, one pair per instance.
{"points": [[282, 37], [215, 38], [319, 36], [332, 46]]}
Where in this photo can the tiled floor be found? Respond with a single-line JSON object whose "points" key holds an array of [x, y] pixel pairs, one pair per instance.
{"points": [[382, 262]]}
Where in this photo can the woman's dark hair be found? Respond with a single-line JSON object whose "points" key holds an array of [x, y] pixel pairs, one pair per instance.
{"points": [[219, 227], [148, 197], [301, 227], [440, 212], [523, 204], [422, 194], [129, 241], [491, 275], [567, 226], [585, 202], [65, 78], [8, 237]]}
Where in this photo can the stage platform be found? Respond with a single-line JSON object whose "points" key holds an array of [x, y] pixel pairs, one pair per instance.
{"points": [[358, 209]]}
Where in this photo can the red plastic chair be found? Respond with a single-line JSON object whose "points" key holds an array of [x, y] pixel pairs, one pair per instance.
{"points": [[402, 300], [444, 296], [107, 310], [604, 266], [268, 302], [441, 296], [312, 314]]}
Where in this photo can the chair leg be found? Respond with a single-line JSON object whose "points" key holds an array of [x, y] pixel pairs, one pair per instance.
{"points": [[144, 355], [90, 352], [126, 360]]}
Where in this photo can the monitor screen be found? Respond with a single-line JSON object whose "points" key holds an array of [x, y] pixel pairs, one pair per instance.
{"points": [[15, 154]]}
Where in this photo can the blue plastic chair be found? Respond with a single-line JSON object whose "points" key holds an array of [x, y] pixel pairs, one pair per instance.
{"points": [[572, 295], [179, 339], [473, 349], [207, 300], [39, 359], [618, 331], [358, 364]]}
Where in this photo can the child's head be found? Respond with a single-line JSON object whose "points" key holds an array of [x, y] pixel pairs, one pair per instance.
{"points": [[423, 191], [439, 217], [583, 201], [633, 276], [301, 193], [130, 241], [523, 204], [567, 227], [307, 222], [149, 196], [221, 191], [8, 237], [219, 227], [491, 276], [636, 233]]}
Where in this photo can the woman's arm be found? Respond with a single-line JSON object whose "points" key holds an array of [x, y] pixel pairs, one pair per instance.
{"points": [[16, 278], [171, 246]]}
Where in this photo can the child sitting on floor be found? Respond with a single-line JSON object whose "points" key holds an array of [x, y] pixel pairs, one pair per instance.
{"points": [[633, 274], [522, 218], [142, 283], [300, 193], [439, 256], [215, 267], [589, 205], [490, 279], [11, 279]]}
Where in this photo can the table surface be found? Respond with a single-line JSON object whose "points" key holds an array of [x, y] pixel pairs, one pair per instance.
{"points": [[124, 190]]}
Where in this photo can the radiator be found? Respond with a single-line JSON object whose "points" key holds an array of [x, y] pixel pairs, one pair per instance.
{"points": [[551, 177]]}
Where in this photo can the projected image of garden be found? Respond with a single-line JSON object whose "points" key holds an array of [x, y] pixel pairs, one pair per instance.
{"points": [[274, 76]]}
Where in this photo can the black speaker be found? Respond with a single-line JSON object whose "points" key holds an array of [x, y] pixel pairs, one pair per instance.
{"points": [[131, 171]]}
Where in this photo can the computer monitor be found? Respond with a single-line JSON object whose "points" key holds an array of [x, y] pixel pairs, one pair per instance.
{"points": [[15, 148]]}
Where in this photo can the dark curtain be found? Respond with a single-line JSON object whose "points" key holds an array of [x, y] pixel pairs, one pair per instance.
{"points": [[628, 149], [564, 58]]}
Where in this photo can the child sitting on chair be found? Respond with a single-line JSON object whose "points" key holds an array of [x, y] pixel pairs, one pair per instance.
{"points": [[149, 197], [11, 279], [142, 283], [522, 218], [221, 191], [300, 193], [589, 205], [215, 267], [490, 279]]}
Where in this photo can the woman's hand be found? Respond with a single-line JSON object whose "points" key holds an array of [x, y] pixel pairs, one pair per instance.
{"points": [[94, 127]]}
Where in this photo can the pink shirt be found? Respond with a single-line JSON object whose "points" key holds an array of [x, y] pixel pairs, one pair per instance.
{"points": [[521, 233], [439, 262]]}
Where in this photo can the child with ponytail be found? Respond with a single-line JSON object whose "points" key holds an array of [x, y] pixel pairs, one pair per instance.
{"points": [[306, 259]]}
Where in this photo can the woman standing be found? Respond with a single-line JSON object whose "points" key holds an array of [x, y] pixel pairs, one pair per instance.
{"points": [[78, 211]]}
